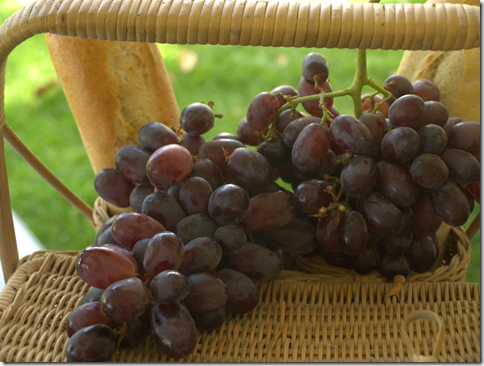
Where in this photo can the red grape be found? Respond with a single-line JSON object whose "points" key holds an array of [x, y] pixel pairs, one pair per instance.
{"points": [[131, 227], [169, 165]]}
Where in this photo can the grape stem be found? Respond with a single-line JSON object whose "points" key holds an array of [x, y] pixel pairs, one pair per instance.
{"points": [[354, 91]]}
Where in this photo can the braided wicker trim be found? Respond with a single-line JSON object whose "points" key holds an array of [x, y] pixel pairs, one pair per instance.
{"points": [[247, 22], [295, 321]]}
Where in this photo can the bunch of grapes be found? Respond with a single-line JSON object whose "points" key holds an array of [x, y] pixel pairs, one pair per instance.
{"points": [[209, 219]]}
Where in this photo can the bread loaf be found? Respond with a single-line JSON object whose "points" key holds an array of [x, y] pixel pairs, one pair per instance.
{"points": [[113, 89], [456, 73]]}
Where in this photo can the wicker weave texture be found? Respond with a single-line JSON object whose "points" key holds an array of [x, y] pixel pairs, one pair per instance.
{"points": [[295, 321], [251, 22]]}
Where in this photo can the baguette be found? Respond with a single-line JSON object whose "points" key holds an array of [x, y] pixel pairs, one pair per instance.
{"points": [[113, 89], [456, 73]]}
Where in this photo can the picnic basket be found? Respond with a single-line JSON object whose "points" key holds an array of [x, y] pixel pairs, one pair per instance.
{"points": [[301, 316]]}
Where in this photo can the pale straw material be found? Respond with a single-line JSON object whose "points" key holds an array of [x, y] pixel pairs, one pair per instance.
{"points": [[295, 320], [300, 317]]}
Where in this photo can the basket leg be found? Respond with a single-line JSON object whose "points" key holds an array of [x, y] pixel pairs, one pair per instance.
{"points": [[8, 245]]}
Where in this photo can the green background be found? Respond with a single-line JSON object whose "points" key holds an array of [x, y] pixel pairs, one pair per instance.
{"points": [[230, 76]]}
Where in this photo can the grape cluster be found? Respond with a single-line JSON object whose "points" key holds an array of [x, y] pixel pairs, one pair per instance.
{"points": [[209, 219]]}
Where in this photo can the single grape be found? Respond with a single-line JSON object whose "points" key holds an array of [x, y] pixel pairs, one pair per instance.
{"points": [[104, 227], [367, 260], [398, 244], [173, 330], [402, 86], [375, 122], [435, 113], [429, 171], [169, 287], [174, 191], [359, 177], [256, 262], [95, 343], [407, 111], [433, 139], [426, 89], [131, 227], [381, 215], [327, 234], [390, 266], [124, 252], [136, 333], [164, 252], [154, 135], [310, 147], [229, 204], [421, 254], [465, 136], [312, 106], [427, 220], [242, 294], [463, 167], [314, 65], [195, 226], [281, 91], [450, 203], [298, 236], [209, 321], [217, 150], [451, 122], [196, 119], [131, 161], [231, 238], [286, 117], [84, 316], [275, 151], [270, 210], [164, 208], [396, 184], [207, 293], [169, 165], [338, 259], [352, 233], [475, 190], [93, 294], [311, 195], [207, 170], [400, 144], [107, 237], [100, 266], [194, 195], [193, 143], [138, 195], [327, 166], [351, 135], [202, 254], [246, 134], [138, 252], [293, 129], [250, 169], [262, 111], [226, 135], [113, 187], [125, 300]]}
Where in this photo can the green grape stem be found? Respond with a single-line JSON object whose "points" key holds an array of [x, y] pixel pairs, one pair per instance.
{"points": [[354, 91]]}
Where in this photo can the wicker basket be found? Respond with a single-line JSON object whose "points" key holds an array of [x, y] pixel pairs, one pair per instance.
{"points": [[300, 316]]}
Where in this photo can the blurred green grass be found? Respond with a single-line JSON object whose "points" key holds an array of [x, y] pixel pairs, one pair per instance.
{"points": [[230, 76]]}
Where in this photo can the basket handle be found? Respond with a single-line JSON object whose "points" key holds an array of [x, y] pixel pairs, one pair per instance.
{"points": [[236, 22], [423, 314]]}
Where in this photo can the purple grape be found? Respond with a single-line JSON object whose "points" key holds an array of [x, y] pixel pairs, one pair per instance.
{"points": [[169, 287], [207, 170], [229, 204], [154, 135], [298, 236], [314, 65], [262, 111], [242, 294], [196, 119], [95, 343], [164, 252], [400, 144], [250, 169], [351, 135], [113, 187], [195, 226], [164, 208], [359, 177], [194, 195], [131, 162], [310, 148]]}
